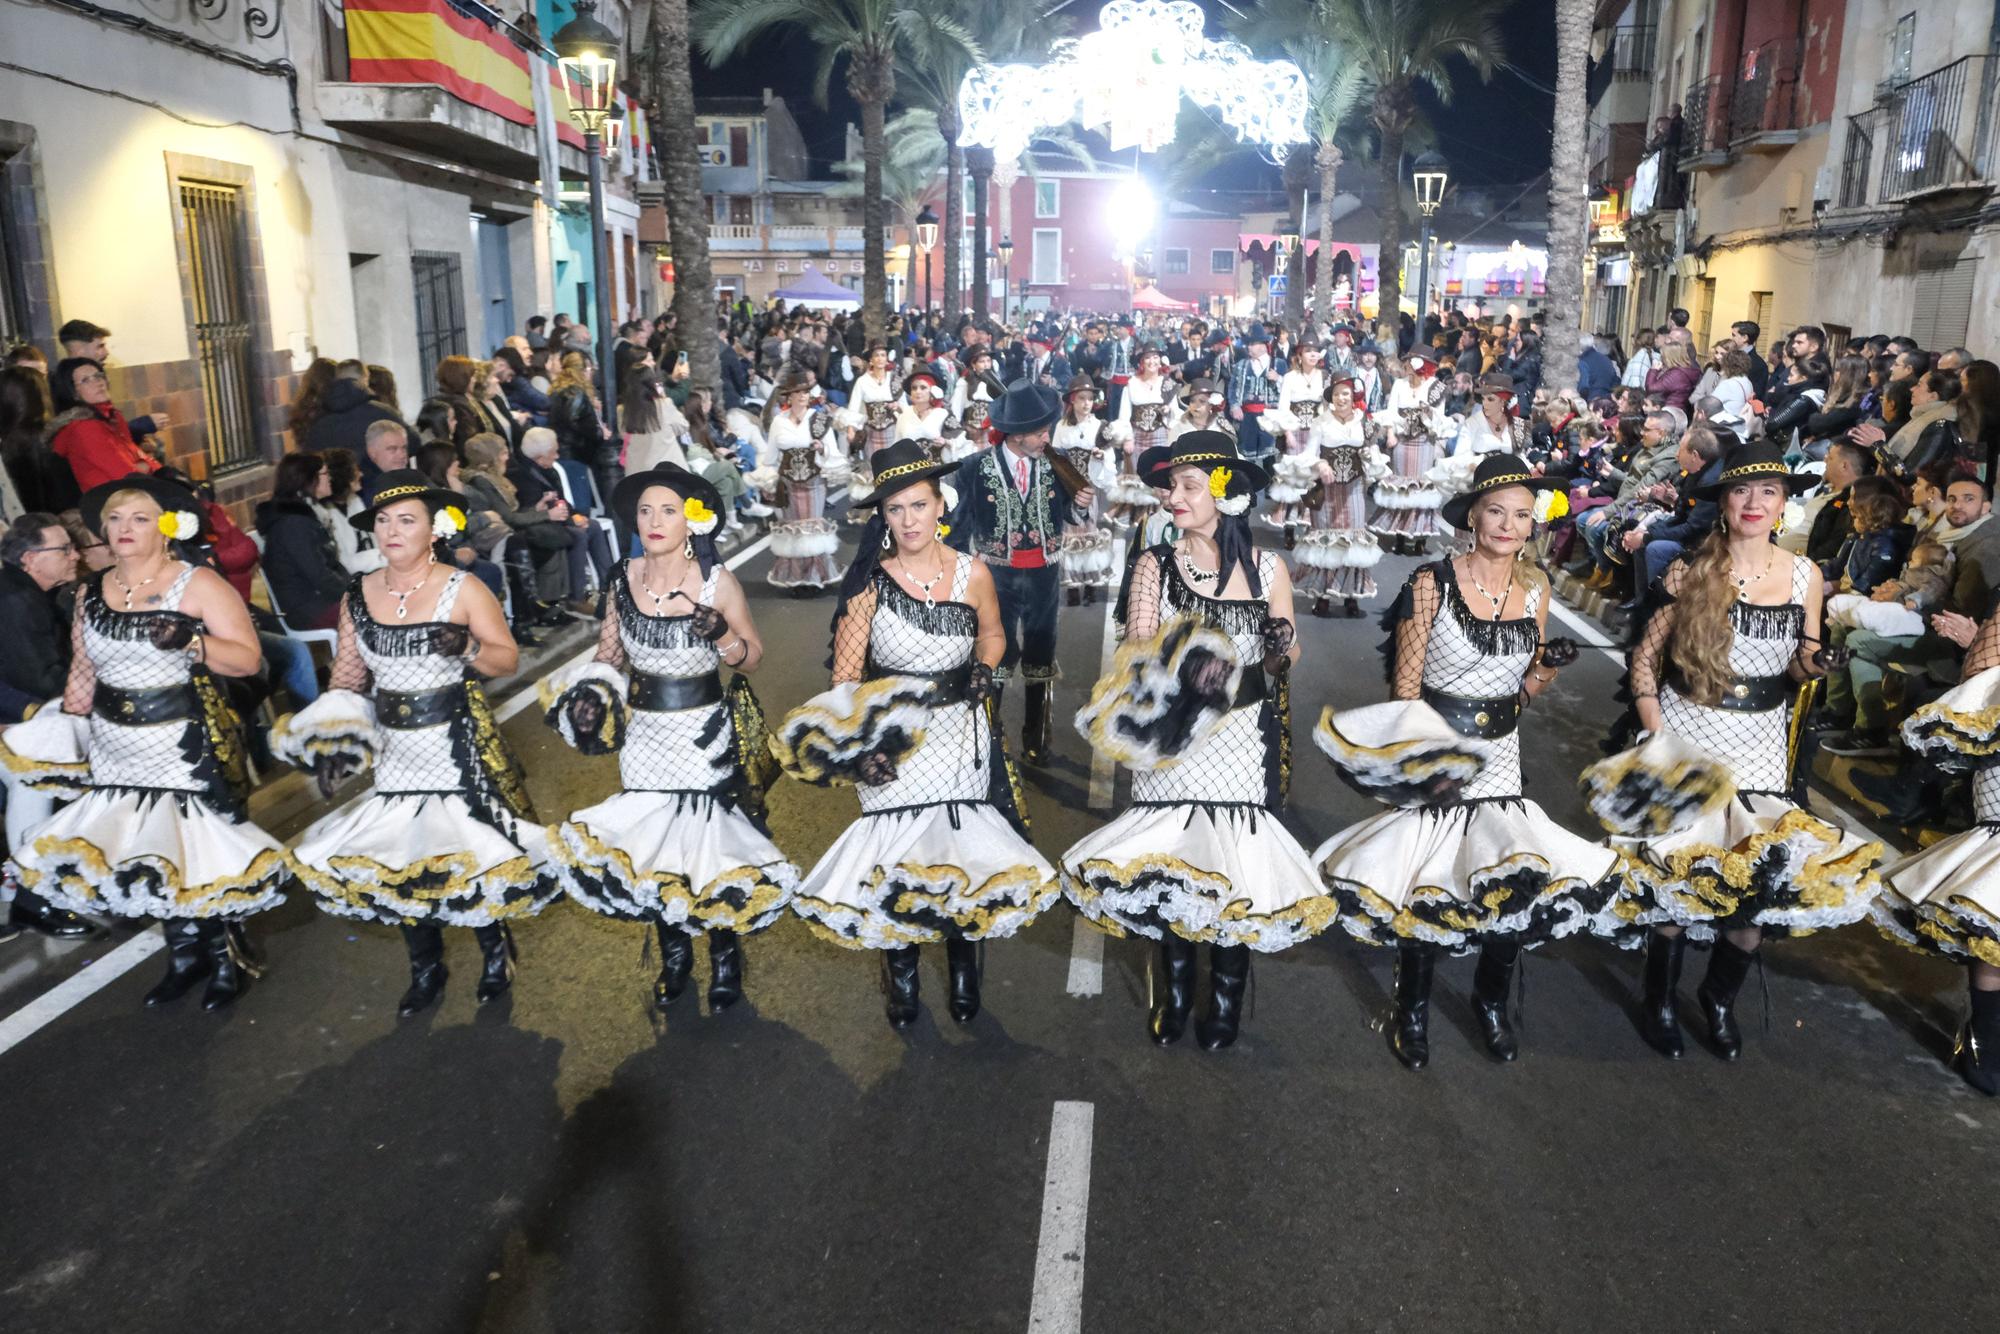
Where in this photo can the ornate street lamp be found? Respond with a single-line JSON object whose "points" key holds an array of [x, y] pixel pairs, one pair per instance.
{"points": [[1005, 250], [927, 230], [1428, 175], [587, 55]]}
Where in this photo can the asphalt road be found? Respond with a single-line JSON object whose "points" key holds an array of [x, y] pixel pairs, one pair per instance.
{"points": [[565, 1160]]}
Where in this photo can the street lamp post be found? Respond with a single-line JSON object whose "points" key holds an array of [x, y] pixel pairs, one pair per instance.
{"points": [[927, 229], [1427, 174], [1005, 249], [1286, 259], [586, 53]]}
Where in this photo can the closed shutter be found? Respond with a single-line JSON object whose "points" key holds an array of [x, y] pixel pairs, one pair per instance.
{"points": [[1942, 311]]}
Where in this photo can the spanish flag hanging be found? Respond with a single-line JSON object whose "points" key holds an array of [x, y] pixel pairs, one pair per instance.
{"points": [[427, 41]]}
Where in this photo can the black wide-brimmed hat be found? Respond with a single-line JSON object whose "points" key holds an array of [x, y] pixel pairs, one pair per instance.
{"points": [[1207, 450], [901, 466], [405, 484], [688, 486], [1496, 472], [1197, 387], [1026, 407], [172, 497], [1758, 462]]}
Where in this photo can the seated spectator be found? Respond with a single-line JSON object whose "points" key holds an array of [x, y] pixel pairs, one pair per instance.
{"points": [[1931, 434], [1659, 544], [309, 399], [437, 423], [385, 447], [439, 462], [1827, 524], [1979, 415], [1879, 540], [1843, 409], [89, 432], [1927, 507], [1733, 389], [489, 400], [348, 410], [1595, 373], [1897, 606], [382, 388], [41, 478], [343, 501], [456, 380], [1790, 405], [536, 541], [301, 563], [653, 425], [510, 372], [538, 481]]}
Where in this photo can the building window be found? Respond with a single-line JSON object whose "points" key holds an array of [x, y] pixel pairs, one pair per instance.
{"points": [[1047, 265], [13, 282], [1941, 312], [440, 309], [1048, 199], [212, 216], [1222, 261], [1902, 45], [739, 145], [1173, 261], [1762, 307]]}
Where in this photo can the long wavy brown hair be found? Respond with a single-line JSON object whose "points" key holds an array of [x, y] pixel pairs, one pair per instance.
{"points": [[1703, 633]]}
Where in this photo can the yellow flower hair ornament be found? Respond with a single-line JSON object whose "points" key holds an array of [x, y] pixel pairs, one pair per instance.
{"points": [[449, 521], [1550, 506], [180, 525], [701, 519], [1218, 486]]}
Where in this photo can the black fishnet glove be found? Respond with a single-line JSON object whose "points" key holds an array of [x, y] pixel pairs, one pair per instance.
{"points": [[330, 771], [586, 713], [1559, 652], [1278, 636], [1833, 657], [876, 769], [449, 641], [1209, 676], [171, 632], [708, 623], [979, 684]]}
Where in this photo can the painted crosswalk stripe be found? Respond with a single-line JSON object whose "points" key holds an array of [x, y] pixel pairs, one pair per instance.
{"points": [[1057, 1307], [1086, 959]]}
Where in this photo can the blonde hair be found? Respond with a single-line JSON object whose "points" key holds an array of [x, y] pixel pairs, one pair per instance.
{"points": [[1674, 354], [571, 374], [1703, 632]]}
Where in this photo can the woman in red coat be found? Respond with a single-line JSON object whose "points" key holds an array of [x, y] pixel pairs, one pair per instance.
{"points": [[87, 431]]}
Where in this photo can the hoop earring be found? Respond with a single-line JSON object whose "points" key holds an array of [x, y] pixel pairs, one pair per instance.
{"points": [[888, 541], [687, 546]]}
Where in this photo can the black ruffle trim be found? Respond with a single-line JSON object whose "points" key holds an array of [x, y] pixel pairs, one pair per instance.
{"points": [[942, 618]]}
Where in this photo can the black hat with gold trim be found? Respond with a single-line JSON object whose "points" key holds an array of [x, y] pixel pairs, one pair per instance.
{"points": [[1496, 472], [1757, 462], [172, 497], [688, 486], [407, 484], [901, 466], [1209, 451]]}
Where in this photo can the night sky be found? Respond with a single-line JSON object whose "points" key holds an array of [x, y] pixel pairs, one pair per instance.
{"points": [[1496, 133]]}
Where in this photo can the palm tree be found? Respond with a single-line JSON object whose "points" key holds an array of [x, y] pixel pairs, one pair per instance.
{"points": [[909, 173], [874, 38], [1568, 209], [671, 91], [1394, 45]]}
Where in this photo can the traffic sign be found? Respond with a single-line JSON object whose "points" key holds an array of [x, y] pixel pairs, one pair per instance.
{"points": [[1278, 283]]}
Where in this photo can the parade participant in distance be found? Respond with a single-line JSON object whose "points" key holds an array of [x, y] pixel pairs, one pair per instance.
{"points": [[1407, 502], [923, 416], [972, 400], [1253, 387], [1338, 552], [803, 539], [682, 845], [149, 745], [1301, 394], [448, 837], [870, 415], [1141, 420], [1081, 438], [939, 852]]}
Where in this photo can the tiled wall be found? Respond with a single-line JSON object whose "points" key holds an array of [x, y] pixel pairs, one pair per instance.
{"points": [[174, 388]]}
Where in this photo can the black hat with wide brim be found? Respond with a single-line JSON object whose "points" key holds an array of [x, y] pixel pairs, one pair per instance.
{"points": [[1207, 450], [1758, 462], [1496, 472], [171, 496], [1026, 407], [687, 485], [900, 466], [404, 484]]}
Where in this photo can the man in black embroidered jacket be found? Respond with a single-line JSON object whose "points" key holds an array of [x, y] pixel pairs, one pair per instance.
{"points": [[1010, 510]]}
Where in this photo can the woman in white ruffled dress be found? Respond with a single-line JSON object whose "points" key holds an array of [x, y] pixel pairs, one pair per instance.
{"points": [[940, 852], [1301, 396], [803, 540], [1079, 438], [972, 398], [448, 837], [1406, 502], [1338, 554], [1144, 419], [869, 419], [151, 750], [1718, 666], [682, 844], [1473, 865], [1195, 706], [1945, 900], [923, 416]]}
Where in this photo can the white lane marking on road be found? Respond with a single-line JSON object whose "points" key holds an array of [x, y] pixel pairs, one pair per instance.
{"points": [[45, 1009], [1586, 634], [1086, 959], [65, 996], [1968, 1120], [1103, 770], [1058, 1302], [523, 698]]}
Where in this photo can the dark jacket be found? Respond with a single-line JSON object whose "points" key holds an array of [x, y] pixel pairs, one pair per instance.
{"points": [[1759, 373], [301, 563], [522, 396], [1693, 517], [532, 482], [1596, 377], [42, 478], [976, 524], [573, 418], [1867, 559], [36, 662], [1674, 384], [1831, 528], [735, 377], [349, 413], [1936, 443], [1832, 423]]}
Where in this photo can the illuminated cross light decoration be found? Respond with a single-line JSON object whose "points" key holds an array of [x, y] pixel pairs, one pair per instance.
{"points": [[1128, 77]]}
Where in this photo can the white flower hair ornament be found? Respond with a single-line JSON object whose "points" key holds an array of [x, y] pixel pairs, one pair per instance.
{"points": [[950, 495], [1550, 506], [180, 525], [701, 520], [448, 522]]}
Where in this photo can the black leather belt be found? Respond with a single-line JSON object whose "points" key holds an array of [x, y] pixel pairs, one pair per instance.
{"points": [[138, 708], [407, 710], [946, 687], [1743, 694], [1487, 718], [669, 694]]}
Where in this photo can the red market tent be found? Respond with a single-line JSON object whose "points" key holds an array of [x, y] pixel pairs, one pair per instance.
{"points": [[1150, 297]]}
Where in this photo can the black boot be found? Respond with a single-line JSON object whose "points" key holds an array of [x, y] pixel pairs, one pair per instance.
{"points": [[1410, 1029], [1228, 970], [496, 949], [1173, 990], [899, 968], [676, 962], [36, 913], [1323, 607], [1660, 1011], [1491, 981], [1907, 797], [427, 970], [1035, 736], [1090, 595], [230, 967], [1353, 609], [188, 960], [963, 958], [1727, 967], [1976, 1056], [725, 970], [1291, 536], [1073, 596]]}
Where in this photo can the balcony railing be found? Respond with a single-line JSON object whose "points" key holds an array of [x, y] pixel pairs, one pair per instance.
{"points": [[1858, 158], [794, 237], [1630, 52], [1938, 130], [1705, 120], [1765, 100]]}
